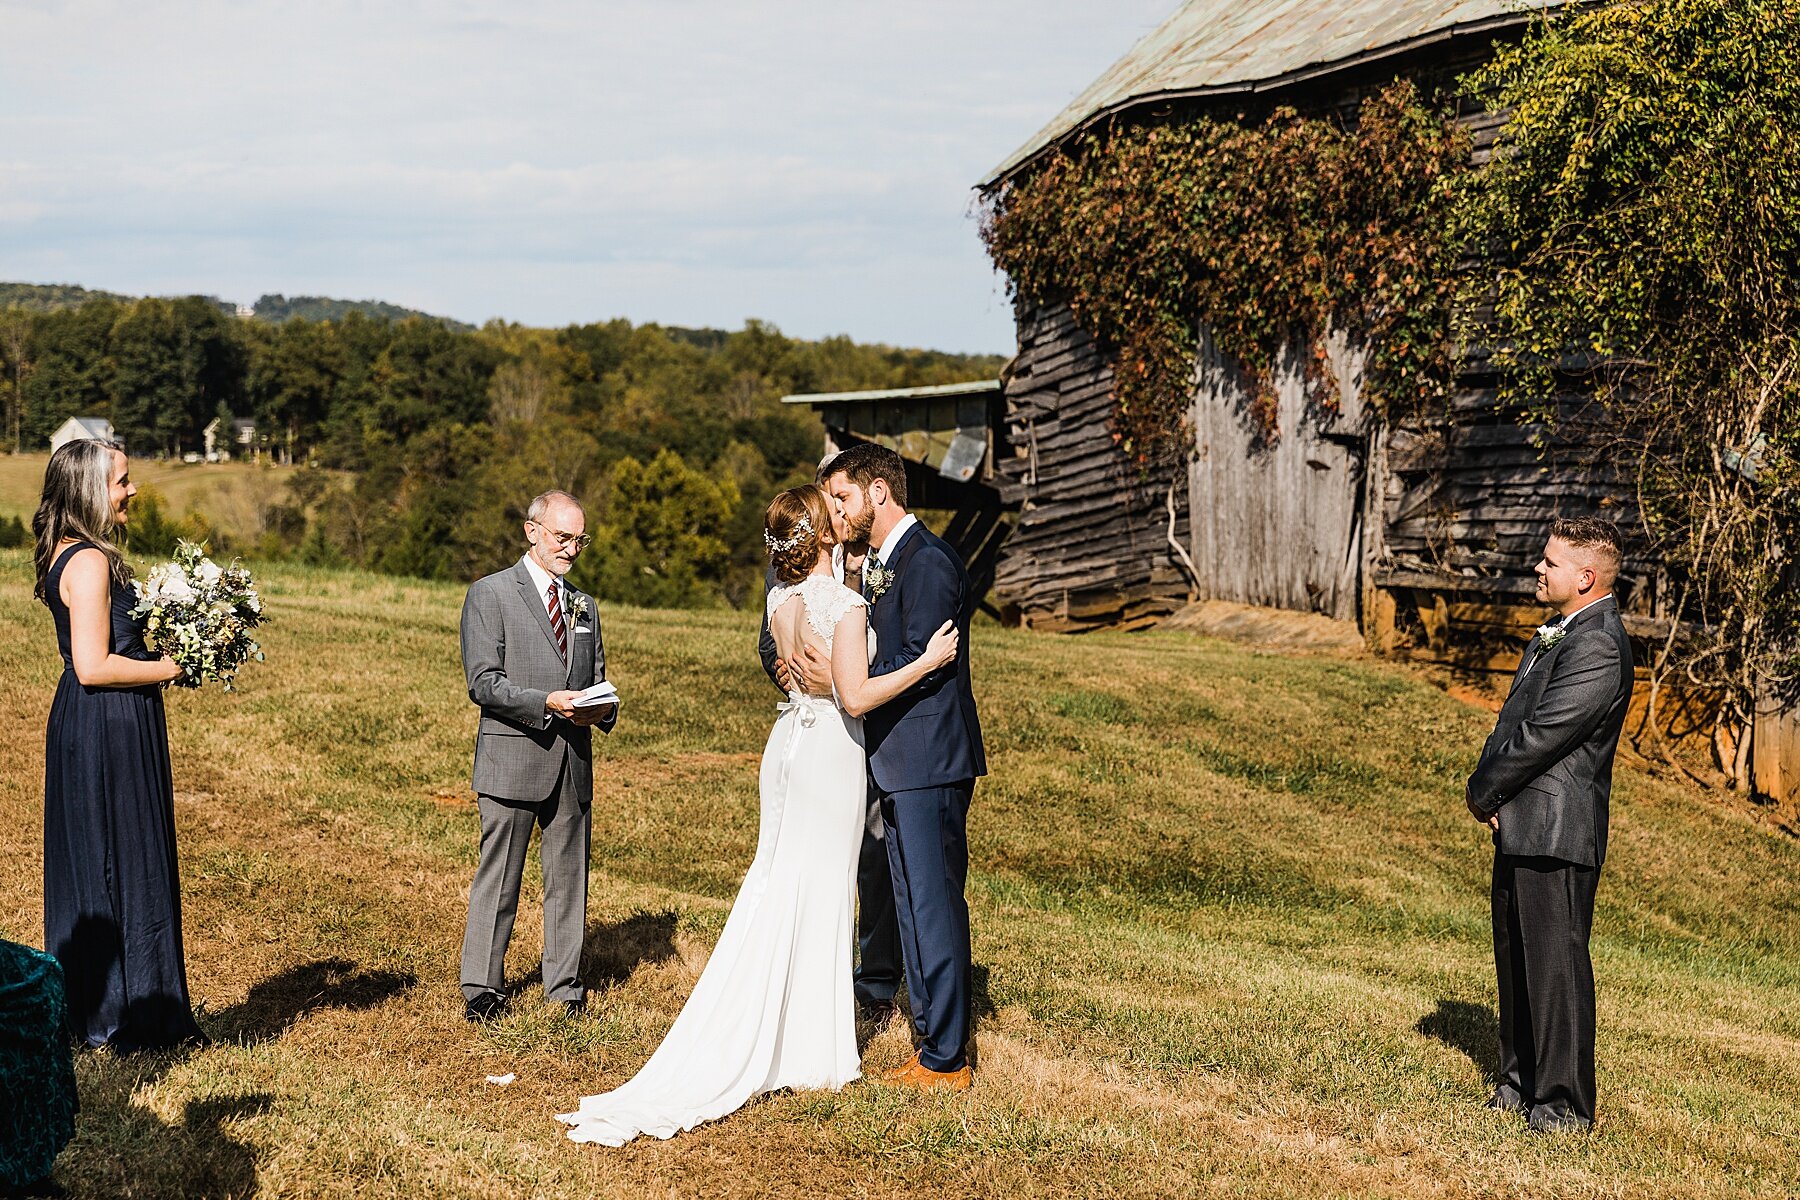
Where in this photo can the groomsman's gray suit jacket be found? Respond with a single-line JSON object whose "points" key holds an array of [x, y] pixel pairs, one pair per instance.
{"points": [[1547, 767], [512, 664]]}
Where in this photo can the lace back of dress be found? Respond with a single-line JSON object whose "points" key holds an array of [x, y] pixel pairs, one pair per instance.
{"points": [[825, 599]]}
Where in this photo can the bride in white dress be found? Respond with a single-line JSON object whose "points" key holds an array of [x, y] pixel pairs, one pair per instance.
{"points": [[774, 1007]]}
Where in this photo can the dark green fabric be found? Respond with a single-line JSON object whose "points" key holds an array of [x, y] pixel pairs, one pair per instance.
{"points": [[37, 1068]]}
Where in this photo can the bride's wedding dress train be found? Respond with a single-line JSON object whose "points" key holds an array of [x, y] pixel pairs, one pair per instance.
{"points": [[774, 1007]]}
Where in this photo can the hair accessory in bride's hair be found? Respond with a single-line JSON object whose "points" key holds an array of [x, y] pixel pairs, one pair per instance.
{"points": [[802, 528]]}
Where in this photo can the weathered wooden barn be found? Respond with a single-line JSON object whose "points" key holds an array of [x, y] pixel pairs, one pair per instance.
{"points": [[1399, 529], [1422, 533]]}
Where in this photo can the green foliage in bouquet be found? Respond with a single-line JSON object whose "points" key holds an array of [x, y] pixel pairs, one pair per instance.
{"points": [[201, 615]]}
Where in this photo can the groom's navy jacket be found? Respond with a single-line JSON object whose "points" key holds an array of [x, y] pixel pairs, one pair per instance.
{"points": [[930, 735]]}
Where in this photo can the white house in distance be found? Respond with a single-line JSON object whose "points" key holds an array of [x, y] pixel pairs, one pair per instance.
{"points": [[77, 428], [219, 441]]}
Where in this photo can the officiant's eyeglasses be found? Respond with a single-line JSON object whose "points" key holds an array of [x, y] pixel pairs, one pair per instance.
{"points": [[566, 541]]}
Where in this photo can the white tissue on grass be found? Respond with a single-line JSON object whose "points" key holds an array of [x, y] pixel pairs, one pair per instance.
{"points": [[501, 1080]]}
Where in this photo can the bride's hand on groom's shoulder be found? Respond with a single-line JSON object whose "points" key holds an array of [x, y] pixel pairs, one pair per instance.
{"points": [[940, 651]]}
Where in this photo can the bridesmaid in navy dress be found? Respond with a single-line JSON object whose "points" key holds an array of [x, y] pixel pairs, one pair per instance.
{"points": [[112, 896]]}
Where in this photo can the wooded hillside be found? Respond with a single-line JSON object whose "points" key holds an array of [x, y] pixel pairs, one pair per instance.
{"points": [[430, 438]]}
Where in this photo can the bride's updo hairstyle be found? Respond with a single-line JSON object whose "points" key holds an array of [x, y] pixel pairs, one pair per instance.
{"points": [[794, 529]]}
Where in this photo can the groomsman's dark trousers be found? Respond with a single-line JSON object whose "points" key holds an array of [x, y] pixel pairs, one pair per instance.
{"points": [[1543, 912], [928, 853], [877, 929]]}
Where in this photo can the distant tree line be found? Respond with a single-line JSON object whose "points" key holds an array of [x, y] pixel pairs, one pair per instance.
{"points": [[276, 308], [429, 439]]}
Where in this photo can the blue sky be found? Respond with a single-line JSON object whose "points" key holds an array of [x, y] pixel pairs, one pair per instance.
{"points": [[684, 161]]}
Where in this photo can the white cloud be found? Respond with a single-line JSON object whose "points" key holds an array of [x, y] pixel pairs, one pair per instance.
{"points": [[681, 160]]}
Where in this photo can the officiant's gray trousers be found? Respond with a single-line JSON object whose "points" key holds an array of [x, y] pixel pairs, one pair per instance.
{"points": [[1543, 911], [494, 897]]}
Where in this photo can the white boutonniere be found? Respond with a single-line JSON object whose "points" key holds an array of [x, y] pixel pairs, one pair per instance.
{"points": [[877, 579], [1549, 635], [575, 605]]}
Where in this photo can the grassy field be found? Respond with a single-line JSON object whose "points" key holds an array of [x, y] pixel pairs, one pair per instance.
{"points": [[233, 495], [1229, 915]]}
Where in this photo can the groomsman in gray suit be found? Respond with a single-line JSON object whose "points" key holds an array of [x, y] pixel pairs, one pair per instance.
{"points": [[1543, 786], [530, 645]]}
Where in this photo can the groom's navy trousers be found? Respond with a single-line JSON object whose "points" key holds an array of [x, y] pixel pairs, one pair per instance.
{"points": [[928, 854], [925, 754]]}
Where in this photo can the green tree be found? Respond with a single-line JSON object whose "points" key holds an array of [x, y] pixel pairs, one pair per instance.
{"points": [[15, 358], [293, 379], [71, 369], [176, 363], [660, 544], [428, 375]]}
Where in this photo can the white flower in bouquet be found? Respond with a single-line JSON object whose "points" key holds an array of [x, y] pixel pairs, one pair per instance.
{"points": [[167, 582], [201, 615]]}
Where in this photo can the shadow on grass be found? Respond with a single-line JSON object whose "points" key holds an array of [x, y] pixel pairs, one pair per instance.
{"points": [[613, 950], [125, 1148], [273, 1005], [982, 1004], [1471, 1028]]}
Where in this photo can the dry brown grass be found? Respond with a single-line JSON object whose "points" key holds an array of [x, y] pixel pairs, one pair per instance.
{"points": [[1230, 929]]}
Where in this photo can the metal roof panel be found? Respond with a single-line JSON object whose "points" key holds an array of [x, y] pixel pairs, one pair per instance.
{"points": [[1235, 45], [937, 391]]}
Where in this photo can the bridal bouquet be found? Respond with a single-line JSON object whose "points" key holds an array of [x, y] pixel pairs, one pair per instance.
{"points": [[201, 615]]}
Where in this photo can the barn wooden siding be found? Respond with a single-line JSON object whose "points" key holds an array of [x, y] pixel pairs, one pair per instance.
{"points": [[1091, 547], [1463, 503], [1425, 532], [1277, 514]]}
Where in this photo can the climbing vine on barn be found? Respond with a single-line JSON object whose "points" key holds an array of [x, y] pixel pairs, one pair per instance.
{"points": [[1272, 234]]}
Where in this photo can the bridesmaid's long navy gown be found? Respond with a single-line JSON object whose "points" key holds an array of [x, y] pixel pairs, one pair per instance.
{"points": [[112, 895]]}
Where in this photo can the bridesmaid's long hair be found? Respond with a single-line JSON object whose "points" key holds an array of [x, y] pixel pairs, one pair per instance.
{"points": [[77, 503]]}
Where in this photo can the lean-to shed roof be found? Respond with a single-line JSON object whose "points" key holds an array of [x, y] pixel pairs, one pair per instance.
{"points": [[1221, 47]]}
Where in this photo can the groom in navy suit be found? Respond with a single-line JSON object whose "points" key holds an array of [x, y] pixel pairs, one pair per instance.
{"points": [[924, 752]]}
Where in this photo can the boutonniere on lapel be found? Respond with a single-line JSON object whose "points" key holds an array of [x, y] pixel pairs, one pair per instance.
{"points": [[575, 605], [877, 579], [1549, 635]]}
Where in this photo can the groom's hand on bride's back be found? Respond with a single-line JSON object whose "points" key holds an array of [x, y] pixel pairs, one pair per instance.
{"points": [[815, 670]]}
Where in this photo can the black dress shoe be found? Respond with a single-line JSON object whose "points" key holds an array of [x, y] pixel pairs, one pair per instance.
{"points": [[1546, 1119], [575, 1008], [484, 1006], [1506, 1098], [876, 1012]]}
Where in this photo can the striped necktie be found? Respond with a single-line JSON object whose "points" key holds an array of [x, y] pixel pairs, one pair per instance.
{"points": [[554, 600]]}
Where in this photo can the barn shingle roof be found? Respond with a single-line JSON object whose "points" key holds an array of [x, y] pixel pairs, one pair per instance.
{"points": [[1221, 47]]}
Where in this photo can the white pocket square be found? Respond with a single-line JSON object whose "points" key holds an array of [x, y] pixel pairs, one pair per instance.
{"points": [[582, 629]]}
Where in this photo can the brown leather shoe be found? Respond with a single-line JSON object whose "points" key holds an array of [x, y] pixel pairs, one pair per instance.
{"points": [[921, 1078]]}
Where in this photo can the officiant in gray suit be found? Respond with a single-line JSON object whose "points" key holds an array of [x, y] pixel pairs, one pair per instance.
{"points": [[530, 645], [1543, 785]]}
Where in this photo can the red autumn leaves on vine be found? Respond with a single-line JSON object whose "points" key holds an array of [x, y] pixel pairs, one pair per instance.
{"points": [[1272, 235]]}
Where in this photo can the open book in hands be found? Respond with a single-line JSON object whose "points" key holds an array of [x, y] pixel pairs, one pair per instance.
{"points": [[601, 693]]}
